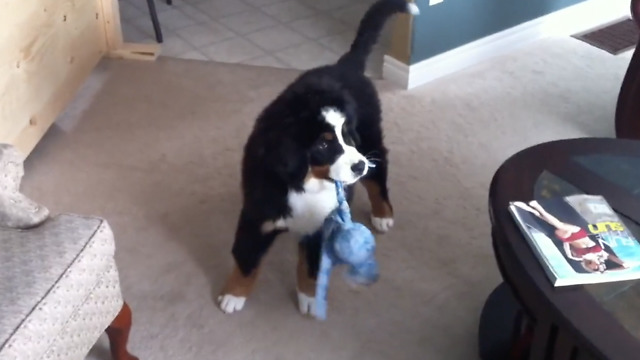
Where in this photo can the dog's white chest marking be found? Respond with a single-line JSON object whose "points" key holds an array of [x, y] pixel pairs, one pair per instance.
{"points": [[310, 208]]}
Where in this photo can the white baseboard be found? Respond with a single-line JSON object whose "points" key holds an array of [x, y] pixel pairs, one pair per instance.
{"points": [[568, 21]]}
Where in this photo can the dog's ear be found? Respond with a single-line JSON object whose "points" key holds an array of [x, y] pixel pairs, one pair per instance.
{"points": [[352, 119], [353, 134], [287, 159]]}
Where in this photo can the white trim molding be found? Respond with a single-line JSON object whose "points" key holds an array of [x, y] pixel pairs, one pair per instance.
{"points": [[568, 21]]}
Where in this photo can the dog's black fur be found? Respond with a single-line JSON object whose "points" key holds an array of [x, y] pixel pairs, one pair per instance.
{"points": [[279, 151]]}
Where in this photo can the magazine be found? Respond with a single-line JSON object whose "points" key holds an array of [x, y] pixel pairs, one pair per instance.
{"points": [[578, 239]]}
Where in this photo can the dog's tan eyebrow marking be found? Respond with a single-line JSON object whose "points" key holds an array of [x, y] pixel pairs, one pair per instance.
{"points": [[328, 136]]}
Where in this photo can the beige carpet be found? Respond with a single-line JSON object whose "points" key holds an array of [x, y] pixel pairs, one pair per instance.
{"points": [[155, 148]]}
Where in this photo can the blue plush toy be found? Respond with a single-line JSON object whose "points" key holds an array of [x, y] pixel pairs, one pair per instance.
{"points": [[344, 243]]}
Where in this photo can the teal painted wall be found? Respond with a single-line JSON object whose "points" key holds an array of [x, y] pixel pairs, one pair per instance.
{"points": [[454, 23]]}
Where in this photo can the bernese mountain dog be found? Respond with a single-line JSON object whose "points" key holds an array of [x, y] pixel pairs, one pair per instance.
{"points": [[324, 127]]}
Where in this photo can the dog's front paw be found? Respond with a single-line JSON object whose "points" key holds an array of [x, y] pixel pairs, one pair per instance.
{"points": [[230, 303], [382, 224], [306, 304]]}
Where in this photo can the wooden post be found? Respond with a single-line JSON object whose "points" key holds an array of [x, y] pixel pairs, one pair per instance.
{"points": [[116, 46]]}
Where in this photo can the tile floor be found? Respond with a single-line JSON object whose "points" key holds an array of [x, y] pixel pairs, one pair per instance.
{"points": [[298, 34]]}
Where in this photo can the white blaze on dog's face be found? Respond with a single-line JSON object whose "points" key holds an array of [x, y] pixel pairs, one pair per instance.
{"points": [[350, 165]]}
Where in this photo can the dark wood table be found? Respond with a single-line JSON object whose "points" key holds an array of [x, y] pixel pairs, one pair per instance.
{"points": [[527, 317]]}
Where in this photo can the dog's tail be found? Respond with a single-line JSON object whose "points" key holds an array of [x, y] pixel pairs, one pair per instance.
{"points": [[370, 27]]}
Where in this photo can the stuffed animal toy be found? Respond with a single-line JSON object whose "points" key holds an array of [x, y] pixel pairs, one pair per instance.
{"points": [[344, 243]]}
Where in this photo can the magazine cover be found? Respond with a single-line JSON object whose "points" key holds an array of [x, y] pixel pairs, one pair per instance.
{"points": [[579, 239]]}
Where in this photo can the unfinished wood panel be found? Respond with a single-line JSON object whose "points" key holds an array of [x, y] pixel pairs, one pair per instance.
{"points": [[112, 25], [47, 50]]}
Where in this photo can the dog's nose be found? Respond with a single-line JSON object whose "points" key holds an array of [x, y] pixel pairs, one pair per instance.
{"points": [[358, 168]]}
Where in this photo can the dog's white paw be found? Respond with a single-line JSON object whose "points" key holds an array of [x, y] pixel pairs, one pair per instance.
{"points": [[382, 224], [306, 304], [230, 303]]}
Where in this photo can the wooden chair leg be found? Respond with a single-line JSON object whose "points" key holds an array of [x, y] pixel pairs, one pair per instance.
{"points": [[118, 333]]}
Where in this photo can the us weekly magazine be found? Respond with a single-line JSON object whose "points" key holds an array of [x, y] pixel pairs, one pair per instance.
{"points": [[579, 239]]}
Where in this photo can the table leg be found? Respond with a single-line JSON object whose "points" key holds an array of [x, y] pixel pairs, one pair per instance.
{"points": [[118, 333], [500, 334]]}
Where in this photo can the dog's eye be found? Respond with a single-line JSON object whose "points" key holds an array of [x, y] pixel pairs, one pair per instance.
{"points": [[322, 145]]}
